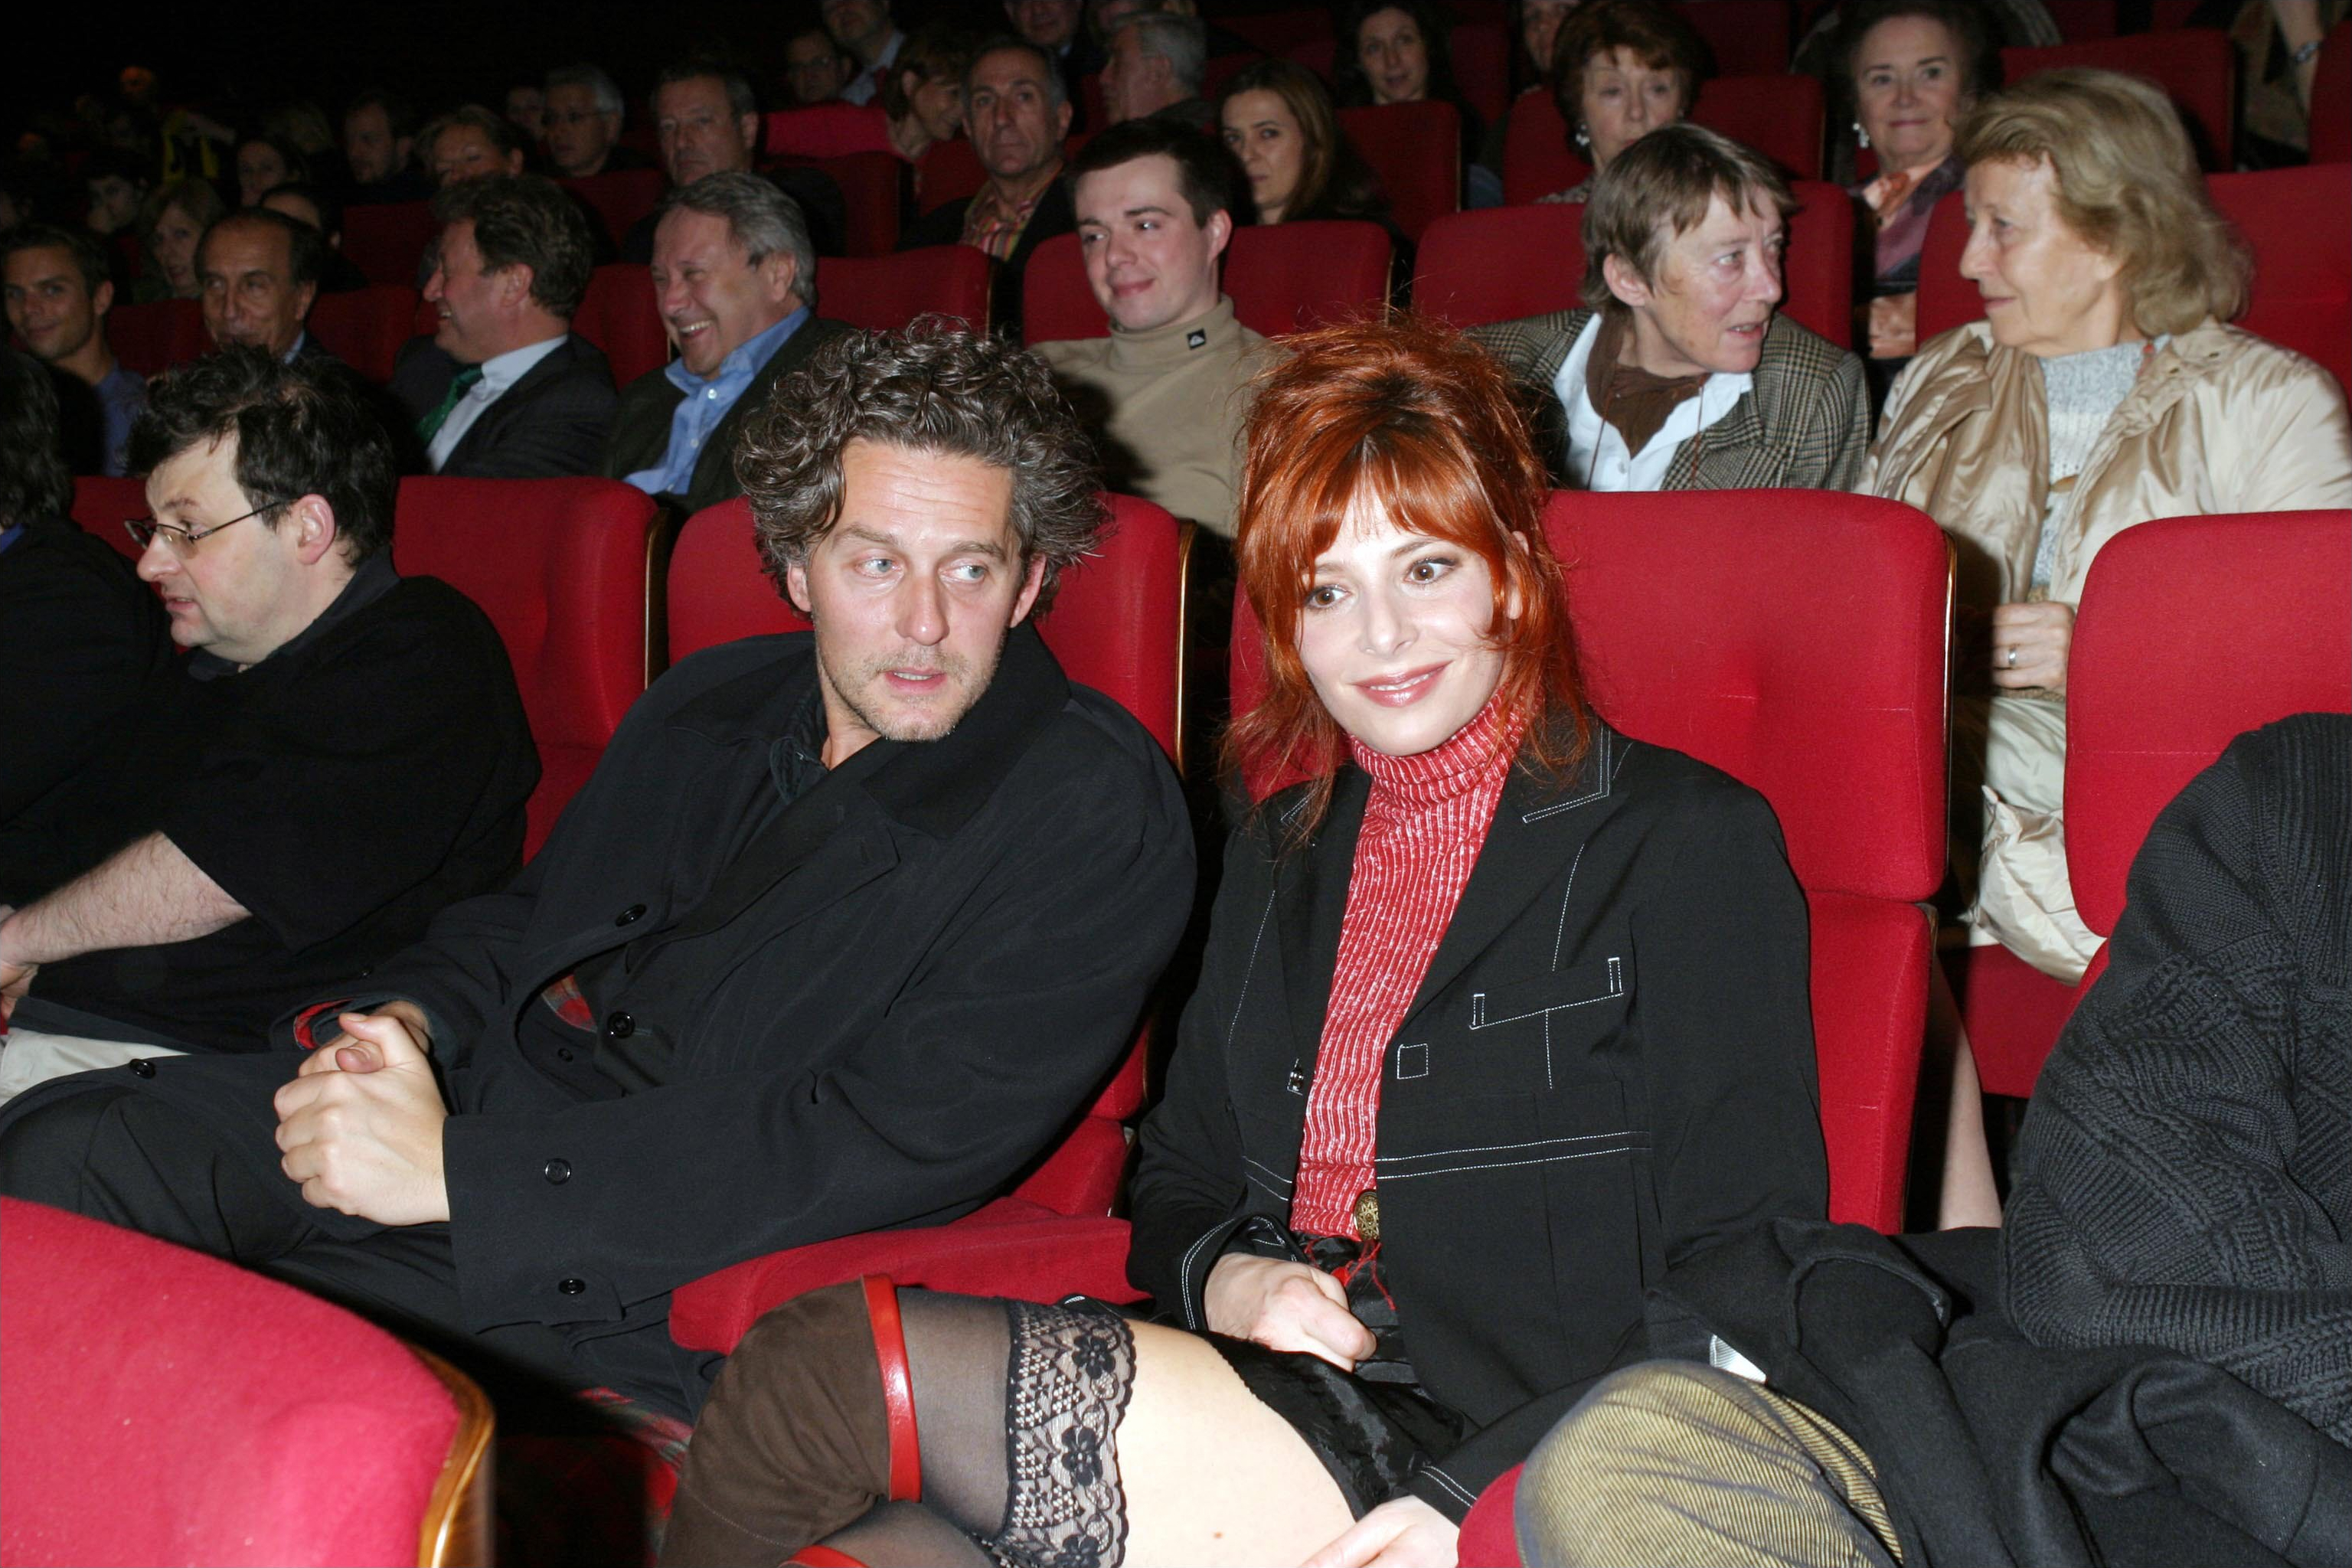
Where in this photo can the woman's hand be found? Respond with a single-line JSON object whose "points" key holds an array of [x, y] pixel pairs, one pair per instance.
{"points": [[1895, 326], [2030, 644], [1285, 1306], [1404, 1534]]}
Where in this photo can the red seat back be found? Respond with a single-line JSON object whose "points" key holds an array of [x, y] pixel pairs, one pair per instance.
{"points": [[1778, 116], [883, 293], [151, 338], [825, 131], [1277, 31], [102, 505], [869, 194], [948, 171], [1508, 262], [1698, 622], [386, 240], [620, 197], [2331, 99], [2302, 293], [2149, 705], [619, 315], [1747, 37], [2194, 65], [1416, 151], [366, 327], [218, 1390], [568, 571], [1115, 624], [1537, 157], [1282, 279], [1481, 54]]}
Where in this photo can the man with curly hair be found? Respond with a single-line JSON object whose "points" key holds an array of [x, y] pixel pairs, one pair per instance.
{"points": [[846, 927]]}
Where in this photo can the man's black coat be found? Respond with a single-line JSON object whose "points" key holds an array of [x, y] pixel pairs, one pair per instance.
{"points": [[552, 423], [642, 422], [1053, 214], [1608, 1066]]}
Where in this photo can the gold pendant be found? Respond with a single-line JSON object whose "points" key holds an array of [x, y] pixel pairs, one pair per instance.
{"points": [[1367, 1214]]}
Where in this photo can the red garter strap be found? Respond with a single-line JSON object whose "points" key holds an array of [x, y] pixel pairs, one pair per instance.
{"points": [[897, 1388], [819, 1555]]}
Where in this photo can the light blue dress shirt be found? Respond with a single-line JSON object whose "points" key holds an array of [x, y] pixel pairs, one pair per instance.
{"points": [[706, 402]]}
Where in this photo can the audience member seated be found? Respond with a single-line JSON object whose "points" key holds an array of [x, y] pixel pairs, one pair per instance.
{"points": [[314, 205], [379, 144], [815, 68], [115, 182], [259, 270], [923, 99], [1912, 69], [172, 222], [57, 297], [810, 953], [1165, 390], [735, 281], [708, 123], [469, 143], [1620, 69], [2143, 1364], [1395, 51], [864, 30], [1360, 1324], [78, 634], [2100, 390], [341, 754], [1155, 70], [1056, 27], [583, 118], [1016, 115], [1538, 30], [525, 108], [1277, 119], [1679, 375], [264, 163], [504, 389]]}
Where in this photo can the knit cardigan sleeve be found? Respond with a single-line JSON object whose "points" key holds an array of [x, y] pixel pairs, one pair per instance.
{"points": [[2185, 1175]]}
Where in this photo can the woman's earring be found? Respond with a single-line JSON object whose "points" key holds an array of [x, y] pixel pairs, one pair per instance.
{"points": [[1583, 137], [1860, 137]]}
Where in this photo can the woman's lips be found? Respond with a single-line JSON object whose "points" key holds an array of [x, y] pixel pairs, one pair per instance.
{"points": [[1404, 689]]}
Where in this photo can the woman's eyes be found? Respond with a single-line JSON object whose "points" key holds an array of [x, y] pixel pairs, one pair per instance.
{"points": [[1322, 597]]}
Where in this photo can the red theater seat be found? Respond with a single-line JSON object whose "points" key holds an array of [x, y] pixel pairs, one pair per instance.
{"points": [[1747, 37], [1537, 158], [1416, 151], [869, 194], [158, 1405], [1481, 52], [2331, 99], [102, 505], [1508, 262], [883, 293], [1277, 31], [386, 241], [2302, 294], [1698, 621], [1282, 279], [570, 573], [366, 327], [619, 315], [2147, 709], [1116, 626], [619, 198], [1780, 116], [825, 131], [2195, 65], [151, 338], [950, 170]]}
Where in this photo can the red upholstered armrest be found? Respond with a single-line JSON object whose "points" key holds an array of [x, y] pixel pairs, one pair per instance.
{"points": [[1010, 1248], [1487, 1539]]}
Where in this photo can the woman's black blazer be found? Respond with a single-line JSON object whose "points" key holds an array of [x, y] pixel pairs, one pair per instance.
{"points": [[1609, 1067]]}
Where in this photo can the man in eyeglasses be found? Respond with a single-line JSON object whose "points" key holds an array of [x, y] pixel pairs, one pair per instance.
{"points": [[341, 753]]}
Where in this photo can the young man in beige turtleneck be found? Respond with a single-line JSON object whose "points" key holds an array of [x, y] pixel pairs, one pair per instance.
{"points": [[1165, 390]]}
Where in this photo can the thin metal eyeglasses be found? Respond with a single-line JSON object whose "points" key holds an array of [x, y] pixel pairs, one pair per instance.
{"points": [[143, 529]]}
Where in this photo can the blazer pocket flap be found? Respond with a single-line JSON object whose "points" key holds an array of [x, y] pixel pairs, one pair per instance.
{"points": [[1587, 984]]}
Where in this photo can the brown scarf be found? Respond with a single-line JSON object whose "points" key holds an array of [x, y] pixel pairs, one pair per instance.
{"points": [[1629, 397]]}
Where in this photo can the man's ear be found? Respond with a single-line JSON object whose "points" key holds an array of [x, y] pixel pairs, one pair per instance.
{"points": [[514, 284], [747, 126], [796, 587], [101, 298], [306, 295], [780, 274], [312, 519], [1032, 579], [1062, 122], [1220, 231], [1623, 281]]}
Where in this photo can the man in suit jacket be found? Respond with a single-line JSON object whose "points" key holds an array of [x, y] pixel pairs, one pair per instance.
{"points": [[1017, 114], [503, 389], [846, 927], [1683, 375], [735, 281]]}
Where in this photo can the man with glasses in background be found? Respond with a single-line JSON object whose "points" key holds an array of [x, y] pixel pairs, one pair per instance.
{"points": [[341, 753]]}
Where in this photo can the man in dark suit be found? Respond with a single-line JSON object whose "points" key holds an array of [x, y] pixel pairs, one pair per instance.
{"points": [[735, 281], [1017, 114], [844, 929], [1056, 27], [504, 389], [707, 122]]}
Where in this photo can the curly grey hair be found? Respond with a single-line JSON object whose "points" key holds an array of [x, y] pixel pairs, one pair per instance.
{"points": [[936, 387]]}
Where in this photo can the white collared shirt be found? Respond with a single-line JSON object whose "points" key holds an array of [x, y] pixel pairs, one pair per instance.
{"points": [[1597, 457], [498, 374]]}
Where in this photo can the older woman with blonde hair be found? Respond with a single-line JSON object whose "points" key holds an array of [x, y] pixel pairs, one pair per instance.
{"points": [[2102, 388]]}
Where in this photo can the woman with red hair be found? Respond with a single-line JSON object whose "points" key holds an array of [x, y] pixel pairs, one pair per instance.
{"points": [[1502, 1014]]}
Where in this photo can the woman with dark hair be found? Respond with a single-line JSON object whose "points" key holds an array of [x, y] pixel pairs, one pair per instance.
{"points": [[1428, 1133], [922, 96], [171, 224], [1395, 51], [265, 163], [1620, 69], [1912, 71], [1278, 118]]}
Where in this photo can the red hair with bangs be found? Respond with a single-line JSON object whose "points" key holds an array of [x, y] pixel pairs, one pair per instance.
{"points": [[1423, 425]]}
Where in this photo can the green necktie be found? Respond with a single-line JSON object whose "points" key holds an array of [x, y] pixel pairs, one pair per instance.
{"points": [[430, 425]]}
